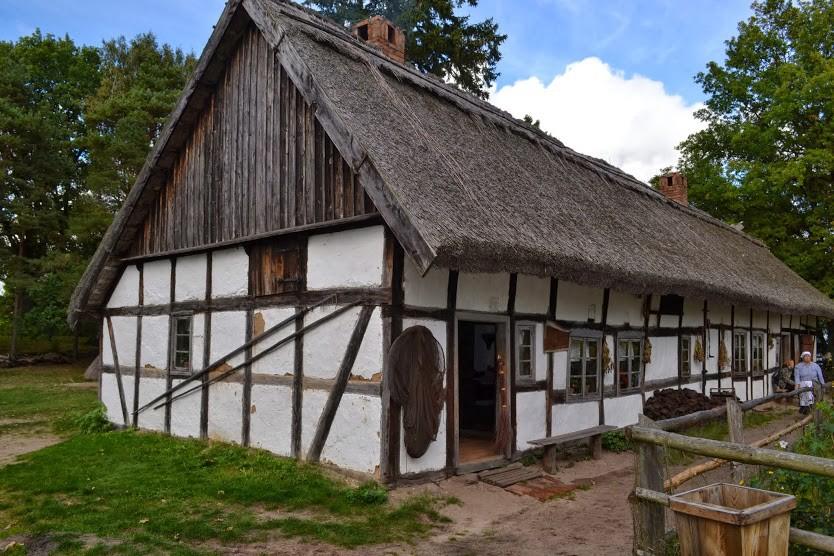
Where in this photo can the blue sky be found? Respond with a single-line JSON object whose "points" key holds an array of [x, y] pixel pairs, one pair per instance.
{"points": [[642, 54]]}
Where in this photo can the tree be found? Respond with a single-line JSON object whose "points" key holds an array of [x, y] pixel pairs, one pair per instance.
{"points": [[43, 83], [766, 157], [437, 40]]}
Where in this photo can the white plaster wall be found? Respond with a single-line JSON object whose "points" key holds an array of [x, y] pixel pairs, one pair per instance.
{"points": [[693, 311], [532, 294], [573, 302], [623, 411], [151, 419], [270, 425], [110, 397], [225, 420], [354, 438], [569, 417], [435, 456], [664, 363], [560, 370], [709, 385], [483, 292], [758, 388], [228, 332], [191, 278], [282, 360], [742, 317], [624, 308], [531, 417], [695, 386], [741, 389], [185, 412], [155, 341], [775, 323], [711, 350], [425, 291], [126, 292], [124, 332], [350, 258], [759, 319], [198, 331], [311, 406], [229, 273], [719, 313], [157, 282], [324, 347], [668, 321]]}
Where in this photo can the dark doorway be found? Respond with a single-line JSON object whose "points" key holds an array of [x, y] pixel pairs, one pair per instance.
{"points": [[477, 389]]}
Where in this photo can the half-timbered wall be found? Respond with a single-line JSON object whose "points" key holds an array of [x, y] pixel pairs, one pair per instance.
{"points": [[257, 161]]}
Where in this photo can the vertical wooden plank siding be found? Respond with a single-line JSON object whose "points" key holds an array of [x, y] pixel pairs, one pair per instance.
{"points": [[257, 160]]}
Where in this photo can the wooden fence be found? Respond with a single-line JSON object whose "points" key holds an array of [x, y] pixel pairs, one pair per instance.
{"points": [[650, 498]]}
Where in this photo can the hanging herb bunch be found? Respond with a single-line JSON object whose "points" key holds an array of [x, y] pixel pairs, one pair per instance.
{"points": [[699, 351], [647, 351], [607, 365], [770, 342], [723, 356]]}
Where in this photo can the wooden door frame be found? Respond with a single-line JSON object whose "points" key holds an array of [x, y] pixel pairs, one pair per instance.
{"points": [[502, 346]]}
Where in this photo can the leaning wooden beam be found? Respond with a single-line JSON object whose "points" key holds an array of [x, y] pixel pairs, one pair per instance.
{"points": [[677, 423], [692, 472], [118, 371], [734, 452], [233, 353], [329, 411], [283, 341]]}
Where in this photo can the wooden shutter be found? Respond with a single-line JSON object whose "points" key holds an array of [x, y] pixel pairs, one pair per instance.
{"points": [[277, 266]]}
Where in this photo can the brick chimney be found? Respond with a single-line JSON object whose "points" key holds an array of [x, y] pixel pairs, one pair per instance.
{"points": [[675, 187], [382, 34]]}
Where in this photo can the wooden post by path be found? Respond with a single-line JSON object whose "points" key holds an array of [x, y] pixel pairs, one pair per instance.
{"points": [[735, 424], [649, 518]]}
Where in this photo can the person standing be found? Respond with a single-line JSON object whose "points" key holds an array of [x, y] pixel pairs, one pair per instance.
{"points": [[805, 374]]}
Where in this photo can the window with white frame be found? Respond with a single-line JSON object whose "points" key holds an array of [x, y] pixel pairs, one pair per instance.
{"points": [[525, 352], [740, 353], [181, 344], [629, 357], [686, 356], [584, 368], [757, 354]]}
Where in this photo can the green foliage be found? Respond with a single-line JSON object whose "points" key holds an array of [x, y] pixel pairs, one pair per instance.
{"points": [[528, 119], [814, 494], [369, 494], [93, 421], [616, 441], [438, 41], [766, 157]]}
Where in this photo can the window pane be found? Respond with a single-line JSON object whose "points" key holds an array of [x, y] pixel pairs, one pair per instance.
{"points": [[576, 368], [635, 380], [183, 343], [524, 353], [575, 350], [525, 369], [184, 326], [181, 359], [590, 384], [575, 385], [592, 348], [526, 337]]}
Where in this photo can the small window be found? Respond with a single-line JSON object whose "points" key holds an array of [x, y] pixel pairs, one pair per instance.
{"points": [[391, 35], [362, 31], [182, 344], [629, 355], [686, 357], [740, 354], [583, 370], [757, 355], [525, 352], [671, 305], [277, 266]]}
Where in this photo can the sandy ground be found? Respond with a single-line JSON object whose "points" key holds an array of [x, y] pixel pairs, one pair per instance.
{"points": [[13, 444]]}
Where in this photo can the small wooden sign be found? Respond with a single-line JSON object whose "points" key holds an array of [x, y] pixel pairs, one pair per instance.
{"points": [[556, 338]]}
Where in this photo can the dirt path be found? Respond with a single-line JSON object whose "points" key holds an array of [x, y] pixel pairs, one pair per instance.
{"points": [[16, 444]]}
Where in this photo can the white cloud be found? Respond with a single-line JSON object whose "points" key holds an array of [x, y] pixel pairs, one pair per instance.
{"points": [[631, 122]]}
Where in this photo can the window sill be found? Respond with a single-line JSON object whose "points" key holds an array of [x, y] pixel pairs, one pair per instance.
{"points": [[581, 399]]}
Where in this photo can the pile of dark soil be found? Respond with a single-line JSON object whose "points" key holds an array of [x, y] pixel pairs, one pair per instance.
{"points": [[670, 402]]}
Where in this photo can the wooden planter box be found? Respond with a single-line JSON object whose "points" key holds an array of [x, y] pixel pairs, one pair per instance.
{"points": [[732, 520]]}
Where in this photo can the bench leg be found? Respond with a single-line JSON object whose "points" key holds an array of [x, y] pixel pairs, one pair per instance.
{"points": [[549, 460], [596, 446]]}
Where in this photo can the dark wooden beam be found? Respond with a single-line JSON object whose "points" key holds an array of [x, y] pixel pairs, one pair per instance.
{"points": [[246, 404], [451, 372], [171, 343], [138, 355], [332, 404], [118, 370], [297, 387], [204, 393], [511, 367]]}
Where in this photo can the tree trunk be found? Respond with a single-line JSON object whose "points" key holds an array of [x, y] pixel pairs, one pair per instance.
{"points": [[18, 310]]}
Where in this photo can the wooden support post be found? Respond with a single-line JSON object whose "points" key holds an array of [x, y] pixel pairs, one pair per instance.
{"points": [[735, 426], [297, 387], [649, 518], [118, 370], [596, 446], [818, 397], [329, 411], [246, 416]]}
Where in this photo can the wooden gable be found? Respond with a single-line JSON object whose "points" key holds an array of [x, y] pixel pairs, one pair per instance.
{"points": [[257, 160]]}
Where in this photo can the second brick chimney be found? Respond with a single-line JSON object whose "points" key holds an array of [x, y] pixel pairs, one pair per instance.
{"points": [[675, 187], [382, 34]]}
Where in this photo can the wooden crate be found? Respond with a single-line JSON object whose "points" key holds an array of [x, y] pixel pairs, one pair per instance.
{"points": [[732, 520]]}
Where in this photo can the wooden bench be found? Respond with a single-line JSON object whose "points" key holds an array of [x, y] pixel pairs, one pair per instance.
{"points": [[551, 442]]}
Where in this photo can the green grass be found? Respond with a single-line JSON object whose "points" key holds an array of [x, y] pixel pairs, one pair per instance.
{"points": [[718, 430], [137, 493], [44, 398]]}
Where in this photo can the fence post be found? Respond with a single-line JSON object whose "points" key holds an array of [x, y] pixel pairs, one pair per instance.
{"points": [[735, 424], [818, 397], [649, 518]]}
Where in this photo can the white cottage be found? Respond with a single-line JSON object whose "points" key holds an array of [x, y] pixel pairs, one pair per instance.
{"points": [[312, 197]]}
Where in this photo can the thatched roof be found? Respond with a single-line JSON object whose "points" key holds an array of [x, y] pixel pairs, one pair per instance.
{"points": [[473, 189]]}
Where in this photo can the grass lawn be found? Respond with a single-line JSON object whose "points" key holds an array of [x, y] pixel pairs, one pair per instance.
{"points": [[134, 492]]}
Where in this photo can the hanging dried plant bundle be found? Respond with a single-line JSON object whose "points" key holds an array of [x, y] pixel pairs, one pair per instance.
{"points": [[647, 351], [417, 365], [723, 356], [607, 366], [699, 351]]}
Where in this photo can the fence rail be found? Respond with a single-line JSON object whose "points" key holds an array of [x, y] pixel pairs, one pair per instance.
{"points": [[649, 501]]}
